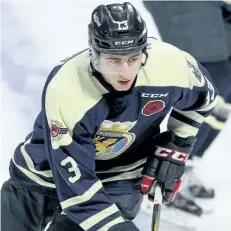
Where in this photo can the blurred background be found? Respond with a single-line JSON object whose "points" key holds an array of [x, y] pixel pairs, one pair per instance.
{"points": [[36, 35]]}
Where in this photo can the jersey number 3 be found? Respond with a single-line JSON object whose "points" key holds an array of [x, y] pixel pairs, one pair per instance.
{"points": [[74, 168]]}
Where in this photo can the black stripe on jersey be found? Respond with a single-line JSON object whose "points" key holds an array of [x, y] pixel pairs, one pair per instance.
{"points": [[63, 130], [205, 113], [19, 176], [103, 176], [185, 119]]}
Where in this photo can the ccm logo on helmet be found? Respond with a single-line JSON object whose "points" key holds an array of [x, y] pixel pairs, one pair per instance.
{"points": [[124, 42]]}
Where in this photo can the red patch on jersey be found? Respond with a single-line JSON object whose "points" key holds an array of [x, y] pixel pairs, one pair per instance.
{"points": [[54, 130], [57, 130], [153, 107]]}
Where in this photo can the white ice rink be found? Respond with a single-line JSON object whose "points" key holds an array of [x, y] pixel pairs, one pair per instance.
{"points": [[38, 34]]}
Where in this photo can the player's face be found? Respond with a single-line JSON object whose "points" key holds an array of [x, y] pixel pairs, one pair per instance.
{"points": [[120, 70]]}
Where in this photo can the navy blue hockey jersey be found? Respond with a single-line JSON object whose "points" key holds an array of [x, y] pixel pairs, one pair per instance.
{"points": [[87, 136]]}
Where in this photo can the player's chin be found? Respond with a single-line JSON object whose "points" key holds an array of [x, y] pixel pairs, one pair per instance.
{"points": [[123, 86]]}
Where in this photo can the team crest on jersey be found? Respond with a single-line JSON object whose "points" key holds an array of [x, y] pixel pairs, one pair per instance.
{"points": [[153, 107], [113, 138], [57, 130]]}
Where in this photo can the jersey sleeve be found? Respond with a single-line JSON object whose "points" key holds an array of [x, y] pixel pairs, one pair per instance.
{"points": [[193, 103], [71, 154]]}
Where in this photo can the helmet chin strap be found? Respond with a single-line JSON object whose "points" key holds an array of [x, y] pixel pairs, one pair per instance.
{"points": [[146, 58], [94, 58]]}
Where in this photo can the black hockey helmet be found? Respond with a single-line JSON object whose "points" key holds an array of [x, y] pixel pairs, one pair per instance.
{"points": [[117, 28]]}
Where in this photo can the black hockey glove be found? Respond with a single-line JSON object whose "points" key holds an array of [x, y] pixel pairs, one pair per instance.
{"points": [[167, 164], [125, 226]]}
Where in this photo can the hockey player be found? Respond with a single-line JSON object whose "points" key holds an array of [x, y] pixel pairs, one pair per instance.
{"points": [[98, 131]]}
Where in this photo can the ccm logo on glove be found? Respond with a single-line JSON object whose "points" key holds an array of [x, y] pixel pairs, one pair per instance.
{"points": [[175, 155]]}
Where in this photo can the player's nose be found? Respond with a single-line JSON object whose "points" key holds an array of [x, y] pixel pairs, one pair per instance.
{"points": [[124, 69]]}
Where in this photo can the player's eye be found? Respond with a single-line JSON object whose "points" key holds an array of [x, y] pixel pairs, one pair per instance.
{"points": [[132, 60], [114, 61]]}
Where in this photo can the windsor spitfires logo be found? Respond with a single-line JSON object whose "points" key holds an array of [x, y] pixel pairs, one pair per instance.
{"points": [[57, 130], [113, 138]]}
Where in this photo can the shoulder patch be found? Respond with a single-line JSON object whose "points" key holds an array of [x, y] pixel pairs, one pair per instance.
{"points": [[57, 130]]}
